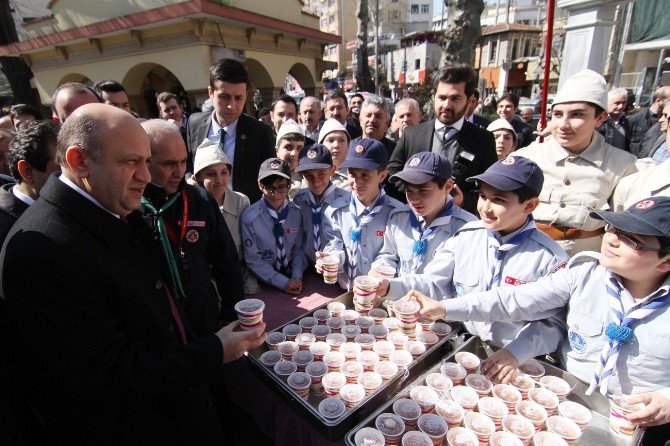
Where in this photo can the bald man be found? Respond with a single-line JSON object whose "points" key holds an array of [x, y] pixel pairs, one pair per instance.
{"points": [[69, 97], [643, 121]]}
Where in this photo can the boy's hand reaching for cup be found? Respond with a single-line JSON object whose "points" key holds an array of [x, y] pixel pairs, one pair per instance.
{"points": [[430, 309], [656, 412], [500, 366]]}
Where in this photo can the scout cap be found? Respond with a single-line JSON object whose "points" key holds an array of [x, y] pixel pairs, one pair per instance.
{"points": [[289, 126], [513, 173], [584, 86], [368, 154], [316, 156], [502, 124], [650, 216], [332, 125], [423, 167], [208, 154], [274, 166]]}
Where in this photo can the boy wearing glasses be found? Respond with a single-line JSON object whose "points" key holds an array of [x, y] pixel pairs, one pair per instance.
{"points": [[272, 231], [617, 301]]}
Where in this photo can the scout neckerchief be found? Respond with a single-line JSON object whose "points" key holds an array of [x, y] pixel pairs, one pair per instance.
{"points": [[281, 259], [620, 331], [316, 213], [500, 251], [421, 237], [355, 232]]}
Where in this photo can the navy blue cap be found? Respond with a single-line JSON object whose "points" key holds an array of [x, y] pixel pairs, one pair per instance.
{"points": [[274, 166], [512, 173], [316, 156], [423, 167], [650, 216], [368, 154]]}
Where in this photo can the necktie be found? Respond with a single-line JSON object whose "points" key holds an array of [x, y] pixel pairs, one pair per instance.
{"points": [[500, 251], [316, 214], [281, 259], [421, 237], [620, 331], [449, 134], [222, 137], [355, 232]]}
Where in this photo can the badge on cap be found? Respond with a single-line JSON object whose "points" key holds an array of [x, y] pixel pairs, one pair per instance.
{"points": [[311, 153], [414, 162], [508, 161], [645, 204], [274, 165], [360, 149]]}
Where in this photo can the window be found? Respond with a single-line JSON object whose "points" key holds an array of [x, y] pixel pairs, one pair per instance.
{"points": [[493, 50], [425, 9], [394, 15], [414, 9], [526, 48], [515, 49], [417, 64]]}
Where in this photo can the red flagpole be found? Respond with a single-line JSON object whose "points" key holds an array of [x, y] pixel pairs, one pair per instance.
{"points": [[547, 62]]}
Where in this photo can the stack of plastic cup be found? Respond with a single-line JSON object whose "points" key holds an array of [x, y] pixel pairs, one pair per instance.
{"points": [[300, 382], [520, 427], [370, 381], [533, 412], [330, 265], [250, 313], [352, 394], [332, 383], [408, 410], [407, 312], [481, 425], [316, 370], [365, 294], [391, 426]]}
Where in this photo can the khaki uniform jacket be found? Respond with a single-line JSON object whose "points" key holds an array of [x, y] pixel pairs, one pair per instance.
{"points": [[648, 183]]}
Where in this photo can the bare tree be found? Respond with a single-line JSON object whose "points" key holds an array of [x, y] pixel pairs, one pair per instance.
{"points": [[363, 78], [462, 32]]}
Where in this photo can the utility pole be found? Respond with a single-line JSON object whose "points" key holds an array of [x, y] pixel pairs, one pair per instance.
{"points": [[377, 47]]}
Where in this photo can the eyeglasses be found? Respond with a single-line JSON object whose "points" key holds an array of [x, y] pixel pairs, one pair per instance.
{"points": [[276, 190], [626, 240]]}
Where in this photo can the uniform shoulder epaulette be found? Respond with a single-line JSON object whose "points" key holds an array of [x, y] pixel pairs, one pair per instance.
{"points": [[584, 256], [341, 202], [471, 226], [251, 212]]}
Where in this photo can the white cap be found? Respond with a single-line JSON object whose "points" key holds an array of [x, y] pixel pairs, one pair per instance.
{"points": [[584, 86], [502, 124], [329, 126], [208, 154], [289, 126]]}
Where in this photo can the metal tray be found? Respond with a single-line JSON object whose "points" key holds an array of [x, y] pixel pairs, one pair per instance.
{"points": [[337, 428], [596, 434]]}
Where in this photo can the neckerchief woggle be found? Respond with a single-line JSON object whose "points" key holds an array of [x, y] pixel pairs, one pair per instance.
{"points": [[421, 237]]}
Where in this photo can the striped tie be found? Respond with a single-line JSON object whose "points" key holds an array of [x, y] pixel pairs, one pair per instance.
{"points": [[619, 332], [500, 251], [281, 259], [316, 213], [421, 237], [355, 233]]}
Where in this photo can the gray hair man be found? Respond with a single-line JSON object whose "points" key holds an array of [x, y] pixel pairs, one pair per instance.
{"points": [[616, 128], [375, 119]]}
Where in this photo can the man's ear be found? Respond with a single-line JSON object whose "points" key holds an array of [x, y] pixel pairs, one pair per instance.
{"points": [[26, 171], [77, 160], [664, 266], [531, 205]]}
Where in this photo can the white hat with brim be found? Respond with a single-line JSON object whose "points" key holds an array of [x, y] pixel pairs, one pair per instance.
{"points": [[332, 125], [289, 126], [584, 86], [502, 124], [208, 154]]}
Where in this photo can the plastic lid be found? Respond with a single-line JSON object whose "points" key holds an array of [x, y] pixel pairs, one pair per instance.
{"points": [[331, 407], [250, 306], [407, 409], [535, 412], [299, 380], [479, 423], [390, 424], [432, 424], [460, 436], [409, 307], [292, 329], [275, 337], [369, 436], [285, 367], [316, 369], [308, 322], [557, 385], [270, 357], [319, 348], [424, 395], [519, 426]]}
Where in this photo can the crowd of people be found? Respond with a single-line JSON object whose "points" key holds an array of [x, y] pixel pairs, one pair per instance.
{"points": [[127, 242]]}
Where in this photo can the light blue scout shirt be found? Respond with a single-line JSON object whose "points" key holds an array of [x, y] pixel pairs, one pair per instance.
{"points": [[305, 200], [399, 242], [260, 248], [339, 222], [643, 362]]}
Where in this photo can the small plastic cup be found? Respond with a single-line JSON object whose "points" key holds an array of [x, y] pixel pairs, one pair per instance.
{"points": [[398, 339], [351, 331], [322, 315], [335, 324], [335, 340], [364, 323], [365, 340], [304, 340], [349, 316], [424, 324], [287, 348], [330, 266], [494, 408], [520, 427], [388, 306], [391, 323], [336, 308], [460, 436], [619, 409], [481, 425], [464, 396], [479, 383], [415, 438], [385, 271], [425, 397], [368, 359], [557, 385], [451, 411], [332, 383], [321, 332], [434, 426], [301, 359], [352, 394], [270, 358], [468, 360], [386, 369], [366, 283], [379, 332], [285, 368], [378, 315], [408, 410], [370, 381], [533, 368], [532, 411], [545, 438], [274, 338], [415, 348], [576, 412], [508, 394], [318, 349], [332, 408], [391, 426], [307, 323], [369, 436], [300, 382], [333, 360], [502, 438], [291, 331], [401, 358], [441, 329], [545, 398], [455, 372], [523, 383], [427, 337], [383, 349], [565, 428], [250, 313], [352, 370], [439, 383], [316, 370], [350, 350]]}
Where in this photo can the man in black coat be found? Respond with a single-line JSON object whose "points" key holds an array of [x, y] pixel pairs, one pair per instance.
{"points": [[470, 149], [100, 347], [642, 121], [246, 141]]}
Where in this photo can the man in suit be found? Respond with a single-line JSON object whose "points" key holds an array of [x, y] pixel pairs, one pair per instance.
{"points": [[473, 117], [337, 108], [658, 149], [616, 128], [642, 121], [246, 141], [99, 346], [470, 149]]}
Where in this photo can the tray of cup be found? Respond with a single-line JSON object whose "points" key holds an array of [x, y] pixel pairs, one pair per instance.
{"points": [[452, 404], [337, 364]]}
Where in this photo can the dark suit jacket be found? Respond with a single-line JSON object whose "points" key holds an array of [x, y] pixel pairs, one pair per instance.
{"points": [[639, 123], [419, 138], [649, 149], [254, 144], [94, 343], [11, 209], [480, 121], [649, 142], [613, 136]]}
